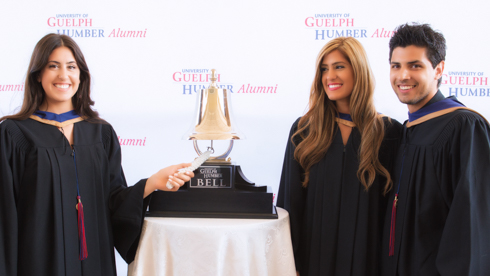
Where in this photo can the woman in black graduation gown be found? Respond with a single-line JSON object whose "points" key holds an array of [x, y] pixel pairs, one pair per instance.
{"points": [[64, 202], [337, 167]]}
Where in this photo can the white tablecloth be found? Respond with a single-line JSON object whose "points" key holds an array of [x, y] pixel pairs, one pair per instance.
{"points": [[215, 247]]}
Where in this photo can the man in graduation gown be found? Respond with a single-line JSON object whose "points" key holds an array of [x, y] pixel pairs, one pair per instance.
{"points": [[438, 222]]}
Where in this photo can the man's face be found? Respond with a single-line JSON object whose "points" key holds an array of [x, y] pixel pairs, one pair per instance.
{"points": [[412, 77]]}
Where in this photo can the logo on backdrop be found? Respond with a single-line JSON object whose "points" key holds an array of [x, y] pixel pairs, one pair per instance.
{"points": [[83, 25], [11, 87], [326, 26], [382, 33], [465, 84], [254, 89], [193, 80], [132, 142]]}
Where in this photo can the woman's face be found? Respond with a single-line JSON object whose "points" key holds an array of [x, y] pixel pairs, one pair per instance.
{"points": [[60, 80], [337, 76]]}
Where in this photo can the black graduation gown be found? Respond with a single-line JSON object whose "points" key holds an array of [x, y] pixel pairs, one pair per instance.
{"points": [[38, 194], [336, 224], [443, 213]]}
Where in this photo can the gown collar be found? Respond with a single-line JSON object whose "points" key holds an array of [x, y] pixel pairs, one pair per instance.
{"points": [[345, 119], [433, 110], [58, 120]]}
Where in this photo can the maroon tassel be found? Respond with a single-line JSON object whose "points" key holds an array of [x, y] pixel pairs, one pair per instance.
{"points": [[392, 227], [81, 231]]}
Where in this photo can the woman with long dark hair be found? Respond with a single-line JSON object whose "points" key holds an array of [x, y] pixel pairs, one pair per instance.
{"points": [[64, 201], [337, 167]]}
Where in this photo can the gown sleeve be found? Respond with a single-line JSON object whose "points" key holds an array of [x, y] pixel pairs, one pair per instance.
{"points": [[291, 195], [465, 185], [388, 150], [126, 204], [12, 155]]}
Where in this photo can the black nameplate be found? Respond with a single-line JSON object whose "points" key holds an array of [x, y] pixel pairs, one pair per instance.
{"points": [[212, 177]]}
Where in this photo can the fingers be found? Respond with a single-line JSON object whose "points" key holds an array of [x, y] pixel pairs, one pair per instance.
{"points": [[176, 179], [175, 182], [184, 177], [179, 179]]}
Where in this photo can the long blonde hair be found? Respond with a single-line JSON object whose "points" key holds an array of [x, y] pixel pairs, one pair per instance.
{"points": [[316, 128]]}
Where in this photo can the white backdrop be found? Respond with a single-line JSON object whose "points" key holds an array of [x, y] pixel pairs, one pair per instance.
{"points": [[148, 57]]}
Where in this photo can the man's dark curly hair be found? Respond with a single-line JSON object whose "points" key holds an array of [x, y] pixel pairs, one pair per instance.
{"points": [[421, 35]]}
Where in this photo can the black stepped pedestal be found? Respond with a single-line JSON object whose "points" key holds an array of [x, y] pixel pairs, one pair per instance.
{"points": [[238, 199]]}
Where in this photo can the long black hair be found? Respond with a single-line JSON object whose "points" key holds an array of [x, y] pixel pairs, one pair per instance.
{"points": [[34, 94]]}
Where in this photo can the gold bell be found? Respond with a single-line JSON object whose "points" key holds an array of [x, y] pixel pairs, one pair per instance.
{"points": [[213, 119]]}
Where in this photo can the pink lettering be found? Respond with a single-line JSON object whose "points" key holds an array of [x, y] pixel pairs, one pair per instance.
{"points": [[177, 79]]}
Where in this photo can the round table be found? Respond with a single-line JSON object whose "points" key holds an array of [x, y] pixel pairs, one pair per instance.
{"points": [[216, 247]]}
